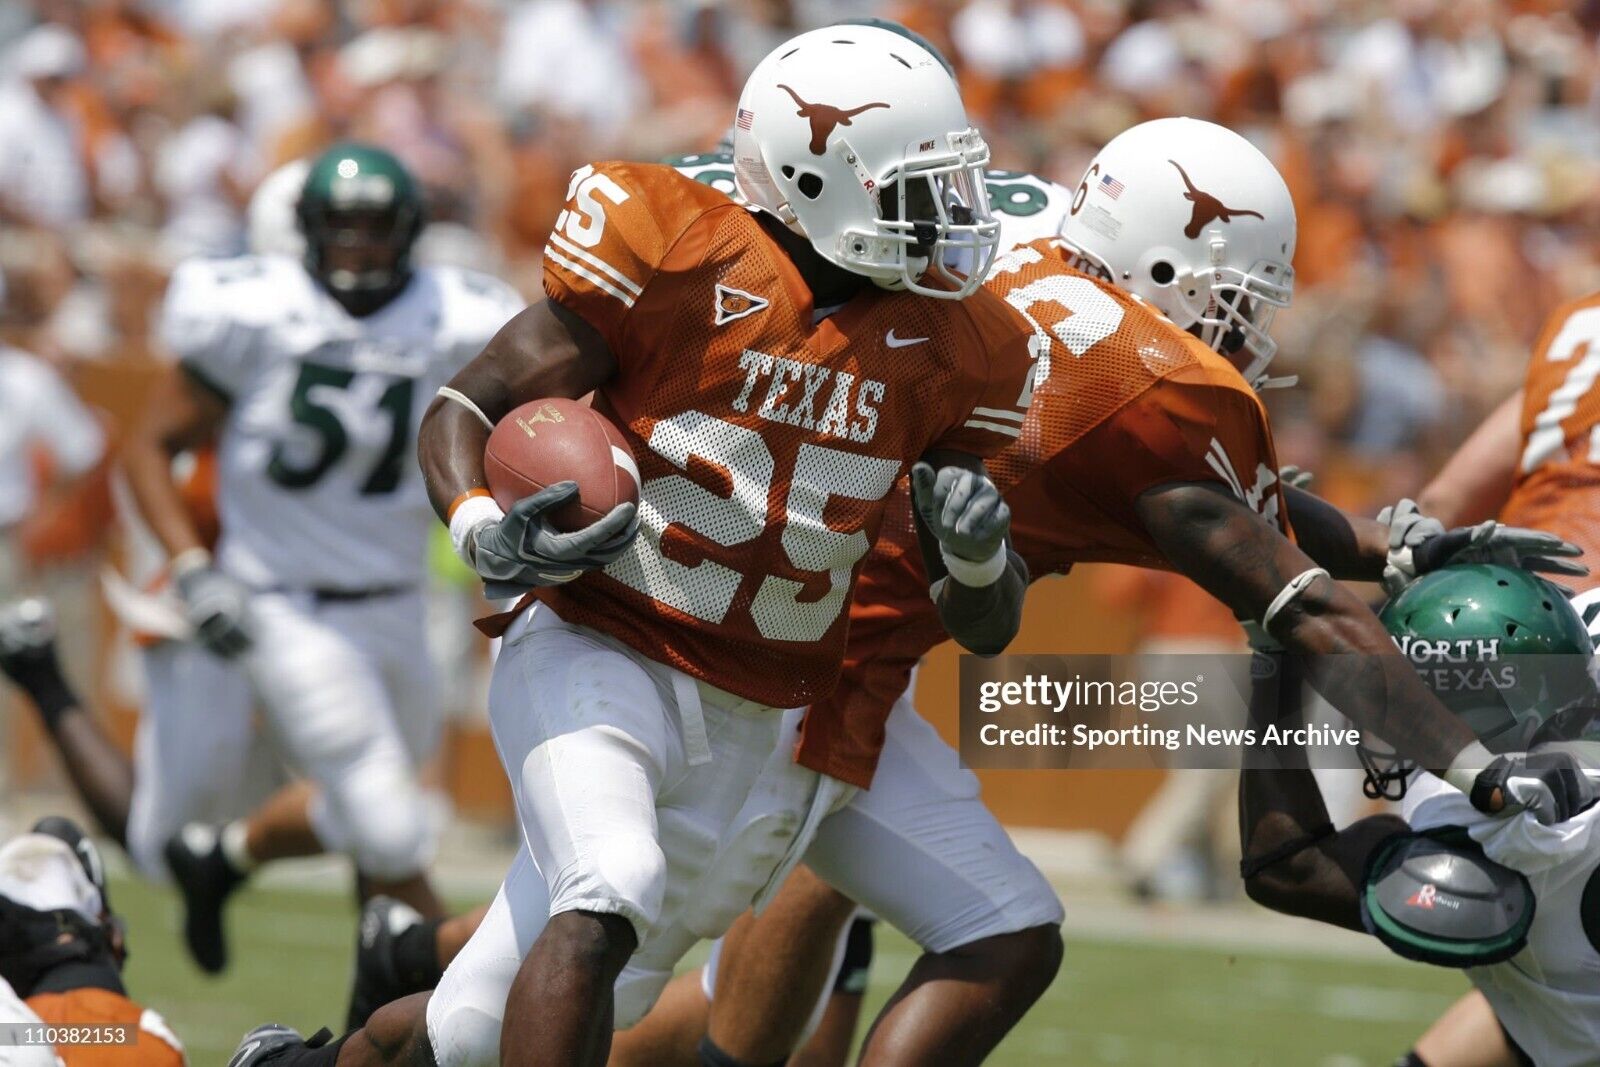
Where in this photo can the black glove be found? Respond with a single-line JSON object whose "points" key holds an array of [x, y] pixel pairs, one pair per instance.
{"points": [[523, 550], [1550, 783], [217, 606]]}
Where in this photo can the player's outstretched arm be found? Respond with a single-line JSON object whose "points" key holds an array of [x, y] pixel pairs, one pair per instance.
{"points": [[1474, 484], [1238, 557], [963, 526], [1242, 560], [1405, 541], [1293, 859], [1349, 548]]}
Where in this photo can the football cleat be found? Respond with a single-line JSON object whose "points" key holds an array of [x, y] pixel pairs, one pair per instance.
{"points": [[377, 977], [206, 879], [64, 829], [274, 1043]]}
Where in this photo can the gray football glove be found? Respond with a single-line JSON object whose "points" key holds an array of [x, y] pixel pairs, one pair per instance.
{"points": [[523, 550], [1550, 783], [1419, 545], [963, 509], [217, 606]]}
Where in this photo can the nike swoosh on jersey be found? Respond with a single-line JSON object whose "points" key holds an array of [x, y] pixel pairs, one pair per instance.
{"points": [[900, 342]]}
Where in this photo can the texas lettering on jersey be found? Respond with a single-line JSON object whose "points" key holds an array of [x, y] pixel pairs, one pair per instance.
{"points": [[1557, 485], [1124, 401], [767, 441]]}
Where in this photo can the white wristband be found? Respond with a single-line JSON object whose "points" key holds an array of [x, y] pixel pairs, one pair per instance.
{"points": [[1296, 585], [472, 515], [975, 575], [1468, 764]]}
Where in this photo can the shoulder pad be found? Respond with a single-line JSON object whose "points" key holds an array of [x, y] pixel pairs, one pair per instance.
{"points": [[708, 168], [1436, 898], [236, 286], [474, 305]]}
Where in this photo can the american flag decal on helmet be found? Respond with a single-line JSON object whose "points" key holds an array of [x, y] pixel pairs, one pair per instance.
{"points": [[743, 118], [1110, 186]]}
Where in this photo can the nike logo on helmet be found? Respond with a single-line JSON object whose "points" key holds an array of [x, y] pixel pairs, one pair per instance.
{"points": [[1207, 208], [901, 342], [825, 118]]}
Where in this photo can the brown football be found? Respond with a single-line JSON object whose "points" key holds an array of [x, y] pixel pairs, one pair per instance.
{"points": [[556, 440]]}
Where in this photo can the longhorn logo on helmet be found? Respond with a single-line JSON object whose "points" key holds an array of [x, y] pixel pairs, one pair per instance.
{"points": [[1207, 208], [825, 118]]}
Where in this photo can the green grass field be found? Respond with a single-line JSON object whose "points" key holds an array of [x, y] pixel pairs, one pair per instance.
{"points": [[1114, 1003]]}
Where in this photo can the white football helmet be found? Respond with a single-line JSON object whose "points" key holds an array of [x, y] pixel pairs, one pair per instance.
{"points": [[273, 229], [856, 138], [1194, 219]]}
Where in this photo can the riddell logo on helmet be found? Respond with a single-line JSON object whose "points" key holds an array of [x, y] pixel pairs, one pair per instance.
{"points": [[1207, 208], [1428, 897], [825, 118]]}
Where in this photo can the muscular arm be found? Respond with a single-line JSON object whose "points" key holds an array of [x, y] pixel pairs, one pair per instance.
{"points": [[1475, 483], [544, 351], [981, 620], [1350, 548], [181, 414], [1238, 557], [1281, 805]]}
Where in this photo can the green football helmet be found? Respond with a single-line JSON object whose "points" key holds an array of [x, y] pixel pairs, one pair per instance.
{"points": [[1503, 649], [360, 211]]}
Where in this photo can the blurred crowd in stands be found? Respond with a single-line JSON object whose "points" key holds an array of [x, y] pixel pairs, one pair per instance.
{"points": [[1443, 154]]}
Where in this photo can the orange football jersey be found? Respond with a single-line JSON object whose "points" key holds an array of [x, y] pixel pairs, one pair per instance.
{"points": [[151, 1043], [1557, 486], [1127, 402], [767, 440]]}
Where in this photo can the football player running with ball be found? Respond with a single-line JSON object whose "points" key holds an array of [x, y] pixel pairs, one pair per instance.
{"points": [[1164, 461], [777, 368], [310, 376]]}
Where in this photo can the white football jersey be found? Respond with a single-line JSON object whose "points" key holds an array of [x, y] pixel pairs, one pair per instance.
{"points": [[1029, 207], [318, 483], [1548, 995]]}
